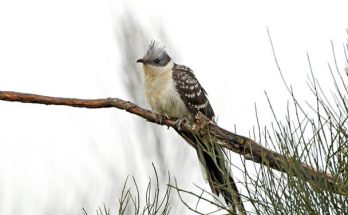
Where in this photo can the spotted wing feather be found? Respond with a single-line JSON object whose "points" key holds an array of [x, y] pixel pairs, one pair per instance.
{"points": [[191, 91]]}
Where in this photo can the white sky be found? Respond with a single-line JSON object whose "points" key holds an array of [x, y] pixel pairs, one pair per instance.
{"points": [[50, 156]]}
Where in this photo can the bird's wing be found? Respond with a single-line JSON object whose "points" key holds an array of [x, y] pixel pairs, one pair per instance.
{"points": [[191, 91], [210, 155]]}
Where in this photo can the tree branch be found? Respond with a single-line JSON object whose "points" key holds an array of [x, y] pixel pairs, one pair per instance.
{"points": [[204, 129]]}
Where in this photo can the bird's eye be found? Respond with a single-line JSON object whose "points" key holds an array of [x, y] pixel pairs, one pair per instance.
{"points": [[156, 60]]}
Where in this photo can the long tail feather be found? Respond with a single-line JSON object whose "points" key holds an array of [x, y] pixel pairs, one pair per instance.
{"points": [[212, 158]]}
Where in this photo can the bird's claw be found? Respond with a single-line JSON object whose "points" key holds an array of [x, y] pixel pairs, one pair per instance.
{"points": [[160, 117], [179, 123]]}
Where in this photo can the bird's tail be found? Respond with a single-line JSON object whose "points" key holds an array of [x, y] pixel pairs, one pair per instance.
{"points": [[212, 158]]}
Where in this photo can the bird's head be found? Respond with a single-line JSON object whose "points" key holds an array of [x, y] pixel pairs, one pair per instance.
{"points": [[156, 56]]}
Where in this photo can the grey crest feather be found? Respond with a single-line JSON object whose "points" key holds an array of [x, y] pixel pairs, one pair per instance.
{"points": [[156, 54]]}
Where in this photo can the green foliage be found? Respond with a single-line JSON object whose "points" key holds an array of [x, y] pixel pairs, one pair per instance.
{"points": [[130, 202], [317, 137]]}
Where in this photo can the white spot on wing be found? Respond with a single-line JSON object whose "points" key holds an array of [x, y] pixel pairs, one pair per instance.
{"points": [[199, 92], [201, 106], [192, 87], [190, 95]]}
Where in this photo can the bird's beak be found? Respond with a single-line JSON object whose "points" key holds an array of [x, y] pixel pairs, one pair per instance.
{"points": [[141, 61]]}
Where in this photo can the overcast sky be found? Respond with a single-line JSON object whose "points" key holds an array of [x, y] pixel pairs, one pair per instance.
{"points": [[58, 159]]}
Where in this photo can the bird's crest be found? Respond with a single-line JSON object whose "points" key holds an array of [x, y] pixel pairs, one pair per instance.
{"points": [[155, 50]]}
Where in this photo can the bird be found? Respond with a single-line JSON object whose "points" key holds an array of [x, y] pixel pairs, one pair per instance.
{"points": [[174, 91]]}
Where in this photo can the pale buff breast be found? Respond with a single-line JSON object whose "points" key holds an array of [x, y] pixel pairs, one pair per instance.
{"points": [[161, 94]]}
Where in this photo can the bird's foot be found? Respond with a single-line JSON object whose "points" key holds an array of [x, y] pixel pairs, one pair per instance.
{"points": [[160, 117], [180, 122]]}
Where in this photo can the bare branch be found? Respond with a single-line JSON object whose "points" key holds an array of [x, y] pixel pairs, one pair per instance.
{"points": [[204, 129]]}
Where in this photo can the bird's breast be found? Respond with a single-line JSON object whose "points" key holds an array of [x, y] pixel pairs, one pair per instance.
{"points": [[161, 94]]}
